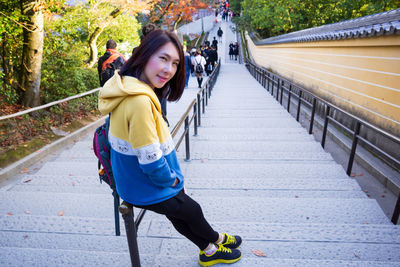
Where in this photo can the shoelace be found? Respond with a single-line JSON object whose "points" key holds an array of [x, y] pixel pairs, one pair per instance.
{"points": [[230, 239], [224, 249]]}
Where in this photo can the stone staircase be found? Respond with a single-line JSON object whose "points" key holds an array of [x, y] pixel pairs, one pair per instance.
{"points": [[254, 171]]}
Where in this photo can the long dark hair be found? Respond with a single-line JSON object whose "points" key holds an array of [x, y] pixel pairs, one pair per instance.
{"points": [[150, 44]]}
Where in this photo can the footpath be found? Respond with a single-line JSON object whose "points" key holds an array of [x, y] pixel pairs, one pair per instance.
{"points": [[254, 170]]}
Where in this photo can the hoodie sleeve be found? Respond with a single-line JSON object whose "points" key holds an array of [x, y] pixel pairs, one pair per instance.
{"points": [[145, 142]]}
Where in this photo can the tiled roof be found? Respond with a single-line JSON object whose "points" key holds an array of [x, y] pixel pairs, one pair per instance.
{"points": [[385, 23]]}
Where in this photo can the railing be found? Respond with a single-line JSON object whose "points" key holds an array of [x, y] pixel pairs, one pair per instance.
{"points": [[198, 106], [278, 85]]}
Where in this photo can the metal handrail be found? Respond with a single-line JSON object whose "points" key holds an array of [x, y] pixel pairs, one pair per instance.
{"points": [[48, 104], [266, 78]]}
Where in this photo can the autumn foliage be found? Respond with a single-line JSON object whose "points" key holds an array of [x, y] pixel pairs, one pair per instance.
{"points": [[172, 13]]}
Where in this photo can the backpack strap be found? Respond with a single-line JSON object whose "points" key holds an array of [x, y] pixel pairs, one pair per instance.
{"points": [[111, 59]]}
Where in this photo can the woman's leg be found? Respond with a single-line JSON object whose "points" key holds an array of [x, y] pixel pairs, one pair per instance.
{"points": [[187, 217], [189, 220]]}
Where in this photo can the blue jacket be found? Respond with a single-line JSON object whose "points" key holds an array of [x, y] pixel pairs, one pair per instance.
{"points": [[143, 156]]}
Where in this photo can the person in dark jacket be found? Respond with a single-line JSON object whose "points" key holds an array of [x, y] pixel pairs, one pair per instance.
{"points": [[109, 62], [188, 67], [215, 43], [219, 33], [213, 57]]}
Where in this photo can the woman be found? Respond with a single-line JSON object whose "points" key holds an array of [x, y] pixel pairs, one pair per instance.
{"points": [[199, 60], [144, 161], [231, 52]]}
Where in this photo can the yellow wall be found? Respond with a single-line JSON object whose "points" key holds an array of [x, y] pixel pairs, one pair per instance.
{"points": [[360, 75]]}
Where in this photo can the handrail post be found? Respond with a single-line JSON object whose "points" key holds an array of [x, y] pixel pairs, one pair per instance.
{"points": [[298, 106], [199, 110], [312, 115], [202, 98], [282, 88], [396, 212], [116, 215], [126, 210], [195, 118], [353, 147], [272, 85], [187, 143], [277, 90], [206, 96], [289, 96], [328, 108]]}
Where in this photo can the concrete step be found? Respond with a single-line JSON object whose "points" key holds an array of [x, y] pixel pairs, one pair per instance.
{"points": [[272, 193], [241, 186], [229, 146], [321, 251], [211, 169], [251, 123], [246, 113], [313, 194], [252, 156], [248, 183], [266, 131], [42, 257], [254, 209], [265, 261], [42, 230], [273, 169], [256, 137]]}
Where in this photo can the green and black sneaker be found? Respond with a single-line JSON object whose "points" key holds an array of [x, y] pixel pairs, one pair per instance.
{"points": [[231, 241], [221, 255]]}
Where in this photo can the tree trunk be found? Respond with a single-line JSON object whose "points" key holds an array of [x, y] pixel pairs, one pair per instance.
{"points": [[32, 52], [93, 37], [93, 46]]}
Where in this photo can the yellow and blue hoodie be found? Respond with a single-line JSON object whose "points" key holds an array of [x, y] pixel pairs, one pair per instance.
{"points": [[143, 156]]}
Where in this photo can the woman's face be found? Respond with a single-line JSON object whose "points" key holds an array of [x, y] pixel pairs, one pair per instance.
{"points": [[161, 66]]}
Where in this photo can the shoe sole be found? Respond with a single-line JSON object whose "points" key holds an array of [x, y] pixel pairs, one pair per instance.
{"points": [[213, 262]]}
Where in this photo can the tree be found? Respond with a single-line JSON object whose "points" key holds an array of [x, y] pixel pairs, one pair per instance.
{"points": [[11, 37], [116, 8], [275, 17], [32, 51], [173, 12]]}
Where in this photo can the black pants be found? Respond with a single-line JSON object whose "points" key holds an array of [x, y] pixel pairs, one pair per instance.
{"points": [[199, 81], [187, 218]]}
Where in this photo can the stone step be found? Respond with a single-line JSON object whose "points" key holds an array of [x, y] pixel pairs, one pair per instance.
{"points": [[256, 169], [201, 192], [234, 137], [251, 123], [275, 262], [301, 250], [42, 257], [94, 231], [213, 169], [241, 186], [252, 156], [239, 114], [250, 209], [266, 131], [212, 146], [16, 228], [247, 183]]}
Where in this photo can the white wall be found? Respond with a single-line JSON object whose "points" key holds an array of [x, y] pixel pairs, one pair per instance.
{"points": [[197, 26]]}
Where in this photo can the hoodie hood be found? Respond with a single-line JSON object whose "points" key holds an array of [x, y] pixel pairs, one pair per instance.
{"points": [[118, 88]]}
